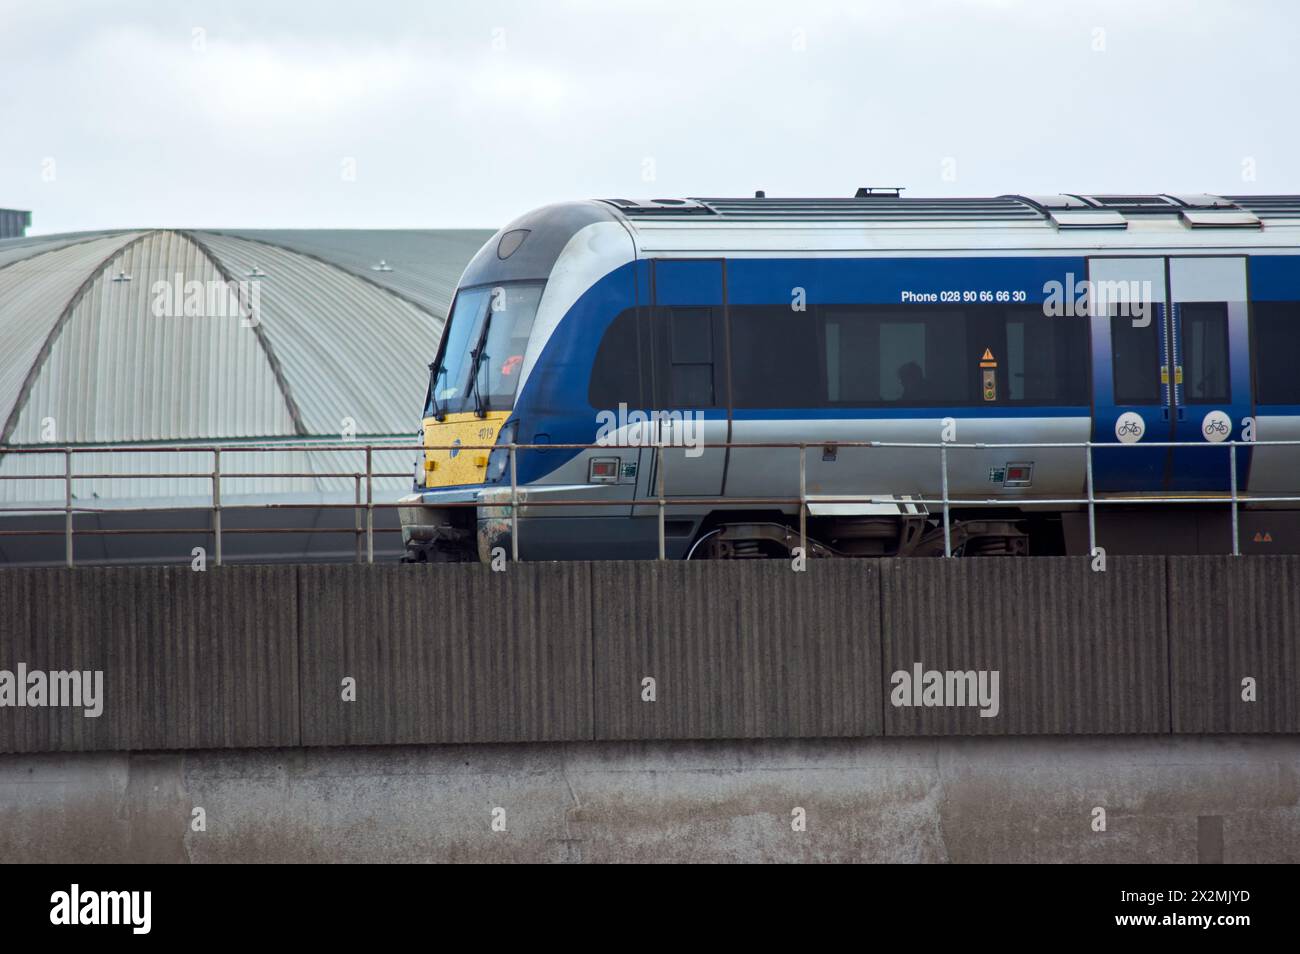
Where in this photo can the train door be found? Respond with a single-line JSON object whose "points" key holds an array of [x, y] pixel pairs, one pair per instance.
{"points": [[1170, 363], [1211, 361], [1275, 303], [686, 333], [1132, 390]]}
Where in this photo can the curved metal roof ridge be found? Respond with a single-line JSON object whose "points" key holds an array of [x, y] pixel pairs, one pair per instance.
{"points": [[277, 369], [319, 259], [60, 242], [47, 346]]}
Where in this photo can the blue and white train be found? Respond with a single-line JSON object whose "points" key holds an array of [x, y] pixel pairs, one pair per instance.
{"points": [[1122, 320]]}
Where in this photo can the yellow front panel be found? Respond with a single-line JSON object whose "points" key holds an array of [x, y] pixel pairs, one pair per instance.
{"points": [[445, 467]]}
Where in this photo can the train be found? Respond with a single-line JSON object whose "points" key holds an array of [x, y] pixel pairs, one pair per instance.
{"points": [[868, 376]]}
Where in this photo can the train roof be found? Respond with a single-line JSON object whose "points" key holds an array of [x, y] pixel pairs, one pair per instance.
{"points": [[1010, 224], [1066, 211]]}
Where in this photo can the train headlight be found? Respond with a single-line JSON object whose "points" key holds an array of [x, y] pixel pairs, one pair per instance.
{"points": [[498, 465]]}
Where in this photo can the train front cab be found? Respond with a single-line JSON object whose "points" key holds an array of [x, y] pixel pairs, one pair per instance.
{"points": [[472, 388]]}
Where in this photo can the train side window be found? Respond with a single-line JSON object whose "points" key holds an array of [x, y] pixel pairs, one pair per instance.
{"points": [[886, 355], [902, 361], [1016, 360], [1276, 326], [883, 355], [1135, 359], [851, 377], [774, 359], [1046, 358], [1204, 328], [615, 372]]}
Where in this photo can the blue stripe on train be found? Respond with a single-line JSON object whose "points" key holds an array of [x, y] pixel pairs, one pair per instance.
{"points": [[1274, 277], [838, 281]]}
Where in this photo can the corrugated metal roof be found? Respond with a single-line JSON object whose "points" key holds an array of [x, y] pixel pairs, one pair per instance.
{"points": [[349, 350], [119, 372], [334, 342], [33, 294], [15, 250], [420, 265]]}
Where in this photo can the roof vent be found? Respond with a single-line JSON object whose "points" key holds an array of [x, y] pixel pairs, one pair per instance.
{"points": [[1221, 219], [882, 192]]}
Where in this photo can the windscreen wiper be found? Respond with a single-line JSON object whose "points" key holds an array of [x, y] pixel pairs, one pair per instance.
{"points": [[476, 360], [436, 371]]}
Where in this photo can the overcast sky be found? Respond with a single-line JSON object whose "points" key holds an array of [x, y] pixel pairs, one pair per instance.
{"points": [[442, 114]]}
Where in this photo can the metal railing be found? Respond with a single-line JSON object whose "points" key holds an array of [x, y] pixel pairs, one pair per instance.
{"points": [[366, 531]]}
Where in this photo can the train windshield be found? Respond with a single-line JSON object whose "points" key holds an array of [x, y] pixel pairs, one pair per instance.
{"points": [[493, 319]]}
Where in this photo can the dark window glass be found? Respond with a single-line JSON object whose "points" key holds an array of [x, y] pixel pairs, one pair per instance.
{"points": [[615, 374], [1046, 358], [898, 356], [1135, 357], [885, 355], [691, 332], [687, 342], [1204, 331], [507, 312], [1277, 352], [774, 357], [692, 385]]}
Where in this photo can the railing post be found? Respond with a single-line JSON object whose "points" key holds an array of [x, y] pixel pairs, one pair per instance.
{"points": [[216, 501], [67, 506], [1092, 503], [803, 500], [370, 508], [356, 512], [514, 506], [1232, 462], [659, 479], [947, 526]]}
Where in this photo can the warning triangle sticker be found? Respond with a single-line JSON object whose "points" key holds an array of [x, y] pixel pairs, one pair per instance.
{"points": [[988, 355]]}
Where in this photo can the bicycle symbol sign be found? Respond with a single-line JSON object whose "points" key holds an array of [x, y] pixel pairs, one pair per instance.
{"points": [[1129, 427], [1216, 426]]}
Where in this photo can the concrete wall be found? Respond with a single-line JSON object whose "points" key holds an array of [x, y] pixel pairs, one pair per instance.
{"points": [[461, 654], [1078, 652], [1166, 799], [1236, 620], [189, 660], [239, 657], [736, 650]]}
